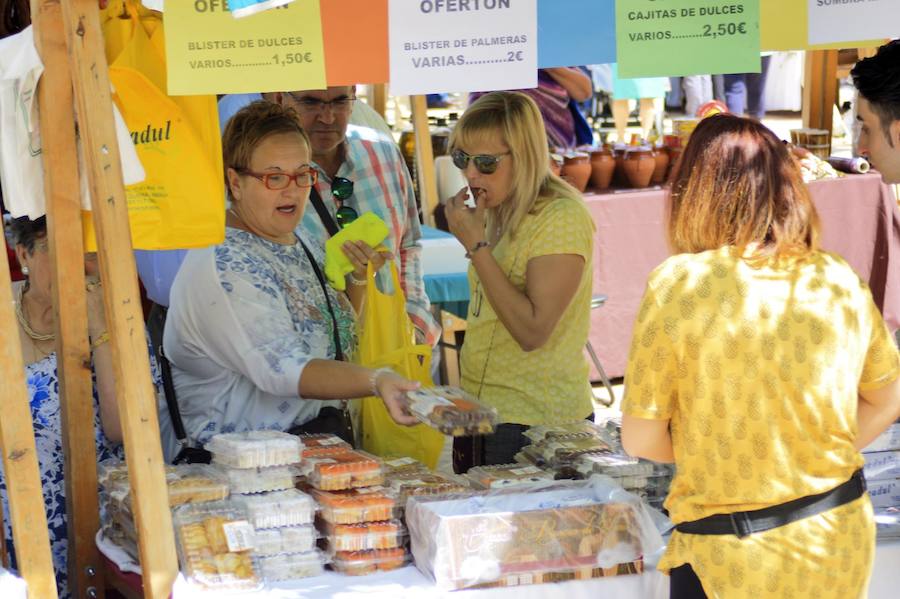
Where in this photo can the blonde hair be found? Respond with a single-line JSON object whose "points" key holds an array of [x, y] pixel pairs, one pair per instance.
{"points": [[516, 120]]}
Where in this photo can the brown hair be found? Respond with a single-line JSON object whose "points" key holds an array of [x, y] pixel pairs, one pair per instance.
{"points": [[249, 127], [737, 184], [515, 119]]}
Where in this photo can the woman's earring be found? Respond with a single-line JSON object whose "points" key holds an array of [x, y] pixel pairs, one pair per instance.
{"points": [[25, 270]]}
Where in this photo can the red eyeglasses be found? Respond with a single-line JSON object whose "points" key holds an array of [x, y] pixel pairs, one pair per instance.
{"points": [[278, 181]]}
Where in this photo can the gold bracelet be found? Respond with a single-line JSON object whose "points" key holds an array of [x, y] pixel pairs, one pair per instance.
{"points": [[358, 282], [100, 340]]}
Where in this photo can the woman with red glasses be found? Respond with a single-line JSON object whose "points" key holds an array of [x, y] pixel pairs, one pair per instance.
{"points": [[256, 338], [530, 240]]}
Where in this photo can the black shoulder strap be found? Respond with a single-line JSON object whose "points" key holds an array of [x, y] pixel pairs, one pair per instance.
{"points": [[325, 216], [338, 353]]}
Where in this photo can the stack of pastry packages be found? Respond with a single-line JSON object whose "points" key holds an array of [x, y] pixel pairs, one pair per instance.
{"points": [[258, 466], [882, 471], [552, 532], [358, 518]]}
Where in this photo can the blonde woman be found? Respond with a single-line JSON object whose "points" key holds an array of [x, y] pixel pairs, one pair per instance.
{"points": [[530, 242]]}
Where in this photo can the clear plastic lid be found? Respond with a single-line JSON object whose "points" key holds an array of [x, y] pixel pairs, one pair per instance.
{"points": [[289, 539], [214, 544], [612, 465], [536, 434], [566, 448], [258, 480], [186, 483], [344, 470], [255, 449], [506, 475], [291, 566], [403, 466], [358, 505], [280, 508], [364, 537], [427, 483], [452, 411], [321, 440], [359, 563]]}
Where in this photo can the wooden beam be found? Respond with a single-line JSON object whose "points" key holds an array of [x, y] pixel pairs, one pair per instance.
{"points": [[428, 194], [61, 189], [20, 463], [819, 89], [379, 98], [135, 394]]}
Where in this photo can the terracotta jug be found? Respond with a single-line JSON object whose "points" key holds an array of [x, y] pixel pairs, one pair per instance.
{"points": [[674, 155], [639, 166], [577, 169], [603, 165], [619, 178], [661, 156]]}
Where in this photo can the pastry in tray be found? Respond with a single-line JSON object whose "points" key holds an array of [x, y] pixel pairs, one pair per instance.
{"points": [[291, 566], [360, 563], [506, 475], [186, 483], [280, 508], [452, 411], [364, 536], [426, 483], [346, 469], [356, 505], [403, 466], [255, 449], [313, 442]]}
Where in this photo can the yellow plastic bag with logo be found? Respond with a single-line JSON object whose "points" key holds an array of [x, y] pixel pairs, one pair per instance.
{"points": [[387, 340], [180, 204]]}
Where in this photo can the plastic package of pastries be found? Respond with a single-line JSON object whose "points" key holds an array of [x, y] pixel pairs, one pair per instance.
{"points": [[316, 441], [426, 483], [558, 527], [186, 483], [291, 566], [370, 504], [280, 508], [214, 542], [288, 539], [258, 480], [564, 449], [360, 563], [506, 475], [347, 469], [452, 411], [403, 466], [537, 434], [364, 536], [255, 449]]}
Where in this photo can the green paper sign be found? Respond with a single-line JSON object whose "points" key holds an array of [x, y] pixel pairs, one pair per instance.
{"points": [[658, 38]]}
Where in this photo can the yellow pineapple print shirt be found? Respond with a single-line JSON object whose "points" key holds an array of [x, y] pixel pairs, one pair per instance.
{"points": [[549, 385], [758, 371]]}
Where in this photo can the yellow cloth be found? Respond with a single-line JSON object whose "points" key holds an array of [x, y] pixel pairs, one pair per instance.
{"points": [[758, 370], [549, 385]]}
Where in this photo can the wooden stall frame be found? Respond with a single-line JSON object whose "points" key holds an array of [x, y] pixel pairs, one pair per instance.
{"points": [[428, 194], [819, 89]]}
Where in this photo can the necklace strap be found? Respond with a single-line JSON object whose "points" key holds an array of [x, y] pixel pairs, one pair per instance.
{"points": [[20, 316]]}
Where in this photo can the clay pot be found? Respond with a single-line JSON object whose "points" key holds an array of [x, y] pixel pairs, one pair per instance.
{"points": [[577, 169], [619, 178], [661, 156], [603, 165], [639, 166], [556, 163], [674, 155]]}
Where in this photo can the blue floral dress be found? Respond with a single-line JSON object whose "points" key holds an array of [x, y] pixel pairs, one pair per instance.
{"points": [[43, 391]]}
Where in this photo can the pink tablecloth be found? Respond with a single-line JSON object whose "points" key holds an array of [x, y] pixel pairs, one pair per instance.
{"points": [[860, 221]]}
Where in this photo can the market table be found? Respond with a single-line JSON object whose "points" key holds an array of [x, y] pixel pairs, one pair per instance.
{"points": [[860, 221]]}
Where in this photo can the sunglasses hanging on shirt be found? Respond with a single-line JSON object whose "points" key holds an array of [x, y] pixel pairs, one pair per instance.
{"points": [[341, 190]]}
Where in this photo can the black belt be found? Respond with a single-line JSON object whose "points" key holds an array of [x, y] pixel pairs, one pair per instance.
{"points": [[744, 524]]}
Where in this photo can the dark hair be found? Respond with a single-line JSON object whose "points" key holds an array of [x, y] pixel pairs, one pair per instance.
{"points": [[250, 126], [16, 16], [878, 80], [26, 231], [737, 184]]}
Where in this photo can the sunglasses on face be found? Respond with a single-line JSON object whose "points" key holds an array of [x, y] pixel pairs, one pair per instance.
{"points": [[341, 190], [485, 163], [306, 177]]}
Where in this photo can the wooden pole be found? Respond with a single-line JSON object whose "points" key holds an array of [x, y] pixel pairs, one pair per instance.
{"points": [[20, 464], [61, 189], [134, 390], [379, 98], [819, 89], [428, 194]]}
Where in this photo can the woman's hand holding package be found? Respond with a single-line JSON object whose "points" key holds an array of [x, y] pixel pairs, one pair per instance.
{"points": [[466, 224]]}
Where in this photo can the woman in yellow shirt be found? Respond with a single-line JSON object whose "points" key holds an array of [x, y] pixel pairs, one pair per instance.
{"points": [[760, 365], [530, 240]]}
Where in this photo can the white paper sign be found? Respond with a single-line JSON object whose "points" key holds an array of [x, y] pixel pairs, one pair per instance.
{"points": [[462, 45], [852, 20]]}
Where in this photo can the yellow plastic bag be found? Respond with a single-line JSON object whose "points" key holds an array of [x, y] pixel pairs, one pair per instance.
{"points": [[386, 339], [181, 202]]}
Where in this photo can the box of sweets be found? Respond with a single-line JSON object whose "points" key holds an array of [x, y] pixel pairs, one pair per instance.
{"points": [[881, 465], [887, 441]]}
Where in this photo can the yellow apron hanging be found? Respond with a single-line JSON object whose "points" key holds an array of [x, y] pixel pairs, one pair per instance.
{"points": [[386, 339]]}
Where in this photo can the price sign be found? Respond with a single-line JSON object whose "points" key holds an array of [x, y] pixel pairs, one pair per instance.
{"points": [[208, 51], [849, 20], [687, 37], [462, 45]]}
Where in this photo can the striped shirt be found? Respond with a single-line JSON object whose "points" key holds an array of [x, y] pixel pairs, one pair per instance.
{"points": [[382, 185]]}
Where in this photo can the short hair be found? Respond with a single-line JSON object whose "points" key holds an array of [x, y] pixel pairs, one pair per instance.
{"points": [[249, 127], [514, 119], [878, 80], [26, 232], [737, 184]]}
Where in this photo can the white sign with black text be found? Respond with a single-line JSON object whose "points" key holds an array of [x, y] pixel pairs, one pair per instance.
{"points": [[462, 45], [853, 20]]}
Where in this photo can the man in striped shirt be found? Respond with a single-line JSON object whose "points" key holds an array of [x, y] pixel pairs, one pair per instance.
{"points": [[362, 169]]}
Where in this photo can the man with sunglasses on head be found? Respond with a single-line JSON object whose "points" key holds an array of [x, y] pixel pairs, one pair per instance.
{"points": [[878, 110], [361, 170]]}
